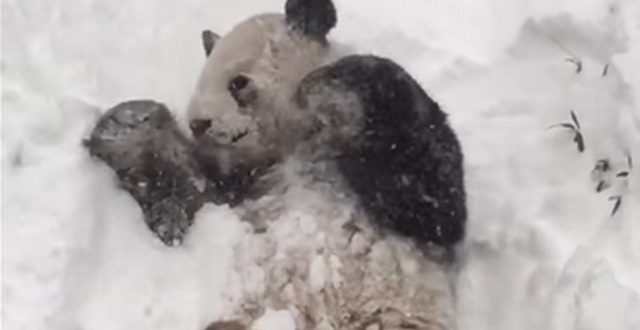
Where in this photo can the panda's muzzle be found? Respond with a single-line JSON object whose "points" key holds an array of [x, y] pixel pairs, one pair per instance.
{"points": [[202, 130], [199, 127], [235, 138]]}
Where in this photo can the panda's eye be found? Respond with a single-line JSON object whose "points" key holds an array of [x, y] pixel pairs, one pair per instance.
{"points": [[242, 90], [238, 83]]}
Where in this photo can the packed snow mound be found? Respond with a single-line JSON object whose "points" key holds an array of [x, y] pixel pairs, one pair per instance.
{"points": [[562, 231], [543, 250]]}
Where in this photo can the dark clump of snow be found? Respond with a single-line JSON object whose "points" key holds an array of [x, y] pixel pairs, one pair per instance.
{"points": [[140, 140]]}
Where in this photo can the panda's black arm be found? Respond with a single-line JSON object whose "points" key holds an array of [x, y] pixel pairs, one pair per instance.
{"points": [[416, 190], [406, 164]]}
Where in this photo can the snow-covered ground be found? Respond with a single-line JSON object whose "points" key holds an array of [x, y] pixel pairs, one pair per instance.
{"points": [[542, 251]]}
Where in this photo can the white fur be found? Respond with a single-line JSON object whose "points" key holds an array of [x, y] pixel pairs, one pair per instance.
{"points": [[321, 261], [275, 59]]}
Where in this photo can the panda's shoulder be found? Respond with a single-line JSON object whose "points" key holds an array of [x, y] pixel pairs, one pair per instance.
{"points": [[382, 83], [375, 72]]}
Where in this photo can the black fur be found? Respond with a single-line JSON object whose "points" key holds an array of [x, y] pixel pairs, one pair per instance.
{"points": [[242, 183], [160, 168], [209, 40], [406, 163], [313, 18]]}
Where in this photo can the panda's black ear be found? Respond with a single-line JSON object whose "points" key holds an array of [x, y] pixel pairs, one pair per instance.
{"points": [[209, 40], [313, 18]]}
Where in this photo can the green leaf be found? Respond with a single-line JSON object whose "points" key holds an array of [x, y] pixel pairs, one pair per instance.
{"points": [[577, 62], [602, 165], [616, 205], [575, 119], [579, 140], [565, 125]]}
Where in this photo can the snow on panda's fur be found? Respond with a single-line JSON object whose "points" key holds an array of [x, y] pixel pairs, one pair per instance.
{"points": [[240, 111], [391, 143], [392, 140], [267, 97]]}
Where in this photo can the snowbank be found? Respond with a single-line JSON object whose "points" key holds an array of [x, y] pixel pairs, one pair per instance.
{"points": [[542, 251]]}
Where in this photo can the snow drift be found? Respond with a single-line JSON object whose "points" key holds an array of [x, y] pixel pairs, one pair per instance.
{"points": [[543, 250]]}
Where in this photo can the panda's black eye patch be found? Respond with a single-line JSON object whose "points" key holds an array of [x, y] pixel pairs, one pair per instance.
{"points": [[238, 83], [242, 90]]}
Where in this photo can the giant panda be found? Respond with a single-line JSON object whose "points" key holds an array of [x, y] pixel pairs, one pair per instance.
{"points": [[251, 110], [273, 92], [240, 112]]}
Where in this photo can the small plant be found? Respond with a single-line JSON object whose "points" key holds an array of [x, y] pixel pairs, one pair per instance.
{"points": [[577, 63], [616, 204], [602, 166], [575, 128], [622, 175], [605, 71], [602, 185]]}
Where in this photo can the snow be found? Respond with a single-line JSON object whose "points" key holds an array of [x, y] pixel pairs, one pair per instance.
{"points": [[275, 320], [542, 250]]}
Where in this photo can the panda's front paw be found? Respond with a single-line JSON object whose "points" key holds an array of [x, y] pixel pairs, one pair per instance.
{"points": [[169, 220]]}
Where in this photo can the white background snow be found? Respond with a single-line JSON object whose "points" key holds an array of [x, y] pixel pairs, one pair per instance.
{"points": [[542, 250]]}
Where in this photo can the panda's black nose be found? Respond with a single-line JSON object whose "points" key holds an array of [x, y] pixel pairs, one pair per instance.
{"points": [[199, 126]]}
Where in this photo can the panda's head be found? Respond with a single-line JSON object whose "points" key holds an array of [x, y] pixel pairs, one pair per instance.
{"points": [[243, 98]]}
